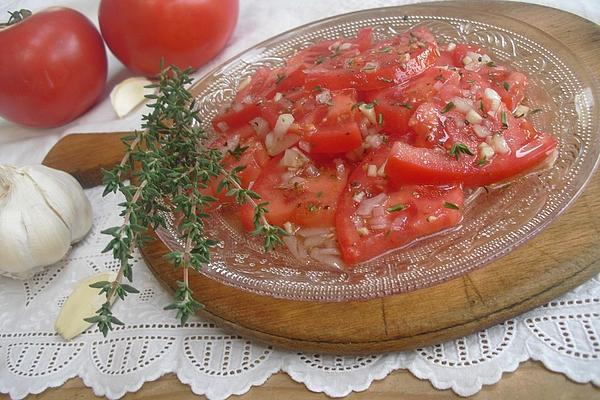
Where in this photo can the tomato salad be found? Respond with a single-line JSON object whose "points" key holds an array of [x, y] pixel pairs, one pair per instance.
{"points": [[361, 146]]}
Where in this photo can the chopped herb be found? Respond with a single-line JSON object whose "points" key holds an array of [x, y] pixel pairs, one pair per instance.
{"points": [[356, 105], [237, 152], [311, 207], [397, 207], [386, 49], [280, 77], [506, 86], [503, 119], [317, 88], [482, 162], [319, 60], [458, 148], [535, 111], [467, 122], [319, 194], [449, 106], [481, 105], [405, 105], [384, 79], [451, 206], [470, 81], [380, 119], [491, 64]]}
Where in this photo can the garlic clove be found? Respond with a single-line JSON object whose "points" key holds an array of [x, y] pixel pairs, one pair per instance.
{"points": [[128, 94], [82, 303], [64, 196], [31, 233]]}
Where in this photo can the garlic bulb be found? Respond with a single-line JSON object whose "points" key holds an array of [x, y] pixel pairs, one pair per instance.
{"points": [[42, 212]]}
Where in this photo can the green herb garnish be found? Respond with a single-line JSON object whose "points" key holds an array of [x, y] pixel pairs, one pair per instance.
{"points": [[449, 106], [451, 206], [503, 119], [459, 148], [506, 86], [397, 207]]}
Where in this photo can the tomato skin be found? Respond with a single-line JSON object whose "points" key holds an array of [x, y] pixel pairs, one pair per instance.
{"points": [[186, 33], [336, 139], [43, 82]]}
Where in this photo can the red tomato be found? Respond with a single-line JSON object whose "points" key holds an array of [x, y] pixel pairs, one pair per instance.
{"points": [[53, 70], [402, 215], [390, 62], [309, 201], [186, 33]]}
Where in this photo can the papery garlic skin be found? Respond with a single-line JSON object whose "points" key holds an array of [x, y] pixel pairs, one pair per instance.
{"points": [[42, 212]]}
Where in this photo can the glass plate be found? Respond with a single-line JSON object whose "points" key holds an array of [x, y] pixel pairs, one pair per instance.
{"points": [[494, 223]]}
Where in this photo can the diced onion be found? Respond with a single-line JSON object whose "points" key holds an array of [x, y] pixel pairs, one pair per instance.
{"points": [[481, 131], [461, 105], [372, 170], [327, 259], [293, 158], [231, 143], [381, 170], [284, 121], [399, 223], [486, 152], [314, 241], [363, 231], [438, 85], [369, 112], [379, 223], [289, 227], [491, 94], [451, 46], [345, 46], [358, 197], [379, 211], [366, 206], [278, 96], [275, 146], [373, 141], [308, 232], [260, 125], [467, 60], [312, 171], [324, 97], [521, 111], [244, 82], [370, 66], [498, 143], [473, 117]]}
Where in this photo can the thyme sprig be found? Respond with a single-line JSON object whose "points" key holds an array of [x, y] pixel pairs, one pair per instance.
{"points": [[170, 165]]}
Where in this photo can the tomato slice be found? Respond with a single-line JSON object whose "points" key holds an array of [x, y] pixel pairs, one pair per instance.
{"points": [[306, 197], [401, 215], [398, 104], [389, 63], [253, 158]]}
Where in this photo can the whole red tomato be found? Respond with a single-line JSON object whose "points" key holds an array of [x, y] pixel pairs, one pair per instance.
{"points": [[53, 68], [186, 33]]}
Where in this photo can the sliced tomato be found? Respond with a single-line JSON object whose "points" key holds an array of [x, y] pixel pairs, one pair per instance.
{"points": [[253, 158], [300, 197], [399, 103], [402, 214], [336, 139], [389, 63], [510, 85]]}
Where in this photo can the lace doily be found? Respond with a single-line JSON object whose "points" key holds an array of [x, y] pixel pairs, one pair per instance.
{"points": [[563, 334]]}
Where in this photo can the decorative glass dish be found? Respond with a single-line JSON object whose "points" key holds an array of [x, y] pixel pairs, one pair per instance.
{"points": [[495, 221]]}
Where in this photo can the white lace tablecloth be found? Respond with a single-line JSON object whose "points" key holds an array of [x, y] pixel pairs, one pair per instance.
{"points": [[564, 334]]}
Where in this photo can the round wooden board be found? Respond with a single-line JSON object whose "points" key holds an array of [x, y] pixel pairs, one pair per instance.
{"points": [[560, 258]]}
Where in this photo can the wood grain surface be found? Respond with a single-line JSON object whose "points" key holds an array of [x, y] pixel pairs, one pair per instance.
{"points": [[564, 255]]}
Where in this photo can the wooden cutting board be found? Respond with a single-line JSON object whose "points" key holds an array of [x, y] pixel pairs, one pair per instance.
{"points": [[560, 258]]}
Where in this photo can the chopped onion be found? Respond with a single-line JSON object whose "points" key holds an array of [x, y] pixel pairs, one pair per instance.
{"points": [[312, 171], [345, 46], [378, 223], [451, 46], [244, 82], [358, 197], [334, 46], [296, 181], [473, 117], [327, 259], [370, 66], [491, 94], [294, 158], [294, 246], [498, 143], [438, 85], [372, 170], [246, 100], [260, 125], [284, 121], [398, 223], [521, 111], [362, 231], [481, 131], [324, 97], [275, 146], [379, 211], [431, 218], [314, 241], [278, 96], [461, 105], [369, 112], [467, 60], [231, 143], [373, 141], [308, 232], [381, 170], [367, 205], [486, 152]]}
